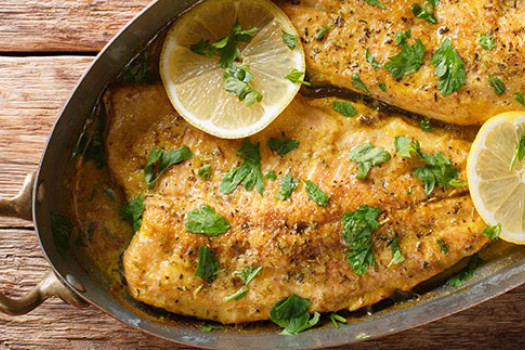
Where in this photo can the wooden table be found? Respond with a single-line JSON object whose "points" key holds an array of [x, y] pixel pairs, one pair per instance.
{"points": [[45, 46]]}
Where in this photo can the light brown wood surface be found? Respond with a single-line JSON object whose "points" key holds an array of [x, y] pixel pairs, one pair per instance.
{"points": [[33, 88]]}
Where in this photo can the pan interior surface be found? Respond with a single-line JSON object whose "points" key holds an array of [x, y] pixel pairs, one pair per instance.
{"points": [[502, 271]]}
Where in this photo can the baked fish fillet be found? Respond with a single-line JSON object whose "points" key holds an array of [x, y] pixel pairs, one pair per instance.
{"points": [[298, 243], [361, 26]]}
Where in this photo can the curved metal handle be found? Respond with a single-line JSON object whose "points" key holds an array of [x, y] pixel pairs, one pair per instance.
{"points": [[50, 285]]}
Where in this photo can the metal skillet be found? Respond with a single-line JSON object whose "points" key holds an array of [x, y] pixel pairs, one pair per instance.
{"points": [[44, 192]]}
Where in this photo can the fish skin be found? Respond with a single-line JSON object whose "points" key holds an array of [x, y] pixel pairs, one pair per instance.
{"points": [[361, 26], [298, 243]]}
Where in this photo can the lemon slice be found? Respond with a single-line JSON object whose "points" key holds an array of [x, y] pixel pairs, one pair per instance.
{"points": [[195, 82], [497, 191]]}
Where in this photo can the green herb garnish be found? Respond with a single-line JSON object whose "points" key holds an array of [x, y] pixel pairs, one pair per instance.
{"points": [[382, 86], [372, 60], [236, 81], [335, 318], [270, 175], [160, 160], [367, 156], [519, 151], [408, 61], [425, 125], [206, 221], [438, 171], [209, 328], [295, 77], [237, 295], [397, 256], [61, 228], [282, 146], [449, 68], [444, 247], [405, 146], [377, 3], [465, 274], [518, 96], [249, 173], [487, 42], [290, 40], [316, 194], [249, 273], [497, 85], [205, 172], [426, 13], [344, 108], [491, 232], [132, 212], [288, 185], [322, 32], [400, 38], [358, 227], [358, 84], [292, 314], [207, 265]]}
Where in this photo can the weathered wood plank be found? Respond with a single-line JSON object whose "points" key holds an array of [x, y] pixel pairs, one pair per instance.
{"points": [[497, 324], [63, 25], [32, 91]]}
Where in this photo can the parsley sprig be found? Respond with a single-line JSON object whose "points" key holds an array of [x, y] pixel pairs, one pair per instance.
{"points": [[316, 194], [465, 274], [132, 212], [292, 314], [449, 68], [247, 275], [205, 220], [207, 265], [288, 185], [160, 160], [519, 151], [236, 82], [248, 174], [406, 62], [358, 227], [492, 231], [367, 156]]}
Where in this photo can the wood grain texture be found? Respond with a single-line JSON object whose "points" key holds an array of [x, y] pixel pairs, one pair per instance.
{"points": [[32, 92], [63, 25]]}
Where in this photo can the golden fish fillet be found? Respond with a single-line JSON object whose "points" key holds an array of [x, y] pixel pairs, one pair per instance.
{"points": [[297, 242], [360, 26]]}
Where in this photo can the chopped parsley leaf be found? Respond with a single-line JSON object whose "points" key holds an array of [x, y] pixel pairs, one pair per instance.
{"points": [[236, 81], [288, 185], [205, 220], [465, 274], [449, 68], [444, 247], [335, 318], [207, 265], [491, 232], [249, 273], [282, 146], [290, 40], [438, 171], [497, 85], [205, 172], [292, 314], [295, 77], [316, 194], [519, 150], [237, 295], [382, 86], [358, 227], [487, 42], [345, 108], [425, 125], [248, 174], [160, 160], [406, 62], [377, 3], [400, 38], [209, 328], [270, 175], [61, 228], [367, 156], [404, 146], [397, 255], [358, 84], [322, 32], [372, 60], [132, 212], [518, 96], [426, 13]]}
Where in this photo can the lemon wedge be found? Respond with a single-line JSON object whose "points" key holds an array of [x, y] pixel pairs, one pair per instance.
{"points": [[498, 192], [195, 82]]}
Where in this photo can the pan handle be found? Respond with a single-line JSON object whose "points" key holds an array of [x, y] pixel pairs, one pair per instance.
{"points": [[50, 285]]}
